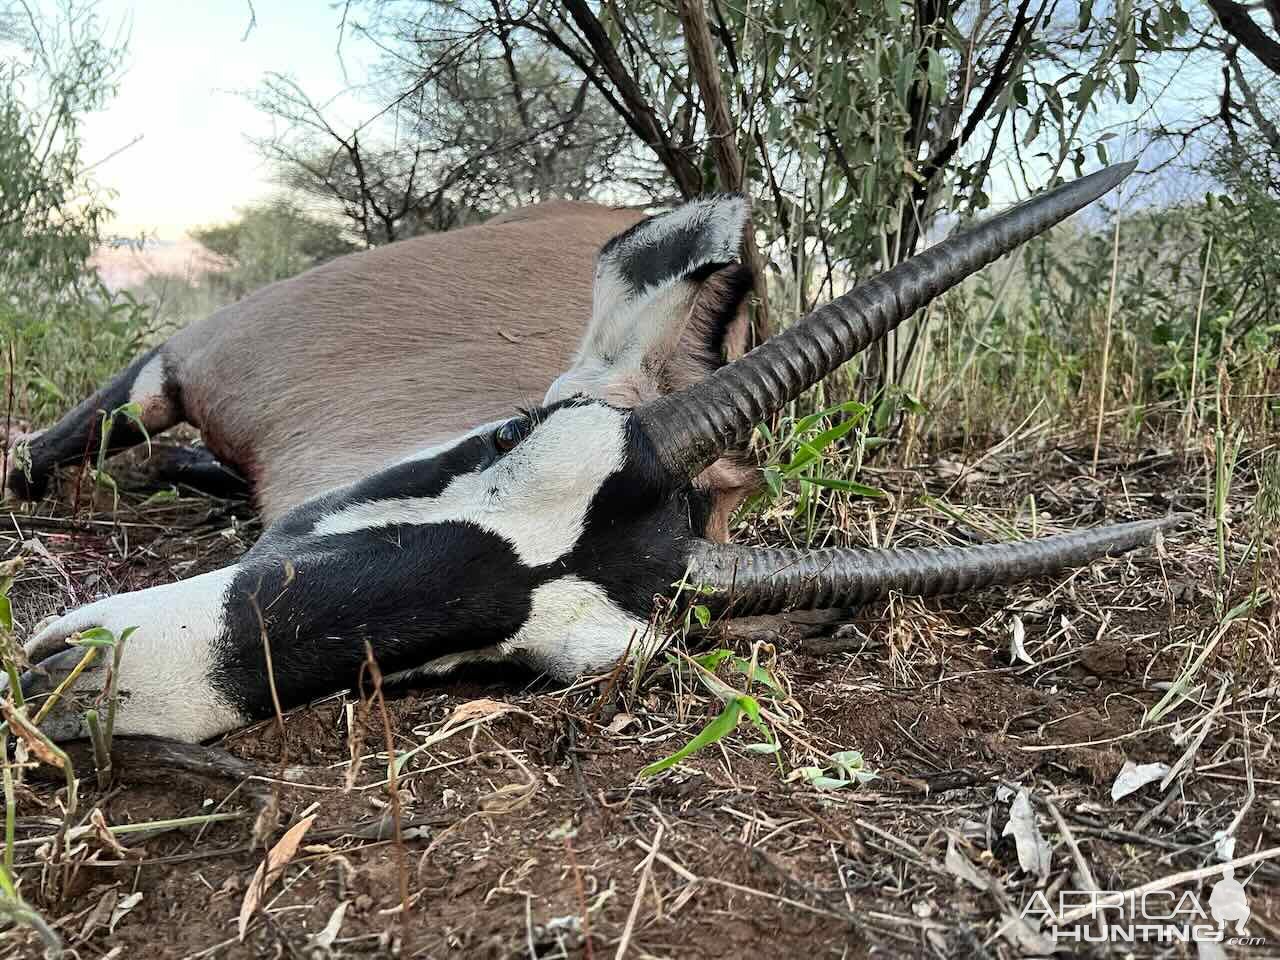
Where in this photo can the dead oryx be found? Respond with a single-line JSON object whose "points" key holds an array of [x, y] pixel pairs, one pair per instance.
{"points": [[544, 537]]}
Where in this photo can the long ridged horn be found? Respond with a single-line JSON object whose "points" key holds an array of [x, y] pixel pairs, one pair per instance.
{"points": [[754, 580], [691, 428]]}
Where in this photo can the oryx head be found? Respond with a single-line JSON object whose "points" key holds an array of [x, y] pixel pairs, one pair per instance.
{"points": [[545, 537]]}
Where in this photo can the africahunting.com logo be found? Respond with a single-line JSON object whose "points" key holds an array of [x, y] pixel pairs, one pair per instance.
{"points": [[1153, 916]]}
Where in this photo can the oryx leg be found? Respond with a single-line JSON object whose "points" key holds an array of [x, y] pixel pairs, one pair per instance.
{"points": [[150, 382]]}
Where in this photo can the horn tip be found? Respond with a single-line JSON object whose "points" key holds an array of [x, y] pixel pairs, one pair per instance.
{"points": [[1108, 178]]}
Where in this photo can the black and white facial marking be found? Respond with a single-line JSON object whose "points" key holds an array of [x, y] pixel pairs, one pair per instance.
{"points": [[549, 551]]}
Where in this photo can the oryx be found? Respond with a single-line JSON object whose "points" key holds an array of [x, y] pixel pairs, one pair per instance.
{"points": [[544, 536]]}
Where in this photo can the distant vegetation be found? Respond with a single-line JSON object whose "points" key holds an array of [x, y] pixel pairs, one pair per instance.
{"points": [[265, 242], [62, 329]]}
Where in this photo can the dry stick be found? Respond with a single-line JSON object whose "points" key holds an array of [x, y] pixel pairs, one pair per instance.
{"points": [[89, 656], [8, 417], [1082, 865], [1195, 348], [1117, 899], [1106, 345], [582, 898], [370, 666], [271, 676], [635, 904]]}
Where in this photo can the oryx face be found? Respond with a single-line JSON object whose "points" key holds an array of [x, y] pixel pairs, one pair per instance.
{"points": [[542, 539], [545, 537]]}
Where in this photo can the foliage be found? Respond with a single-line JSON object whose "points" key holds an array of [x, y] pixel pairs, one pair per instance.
{"points": [[67, 331], [466, 121], [860, 123], [737, 704], [1204, 269]]}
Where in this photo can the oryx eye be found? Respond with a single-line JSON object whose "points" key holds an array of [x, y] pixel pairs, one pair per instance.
{"points": [[509, 435]]}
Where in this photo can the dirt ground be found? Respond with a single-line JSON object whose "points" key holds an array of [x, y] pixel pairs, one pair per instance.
{"points": [[524, 829]]}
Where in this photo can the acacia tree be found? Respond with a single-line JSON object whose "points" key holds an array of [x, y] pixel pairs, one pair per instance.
{"points": [[1243, 132], [855, 124], [470, 117]]}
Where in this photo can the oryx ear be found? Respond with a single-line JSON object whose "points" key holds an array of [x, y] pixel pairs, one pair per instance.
{"points": [[668, 305]]}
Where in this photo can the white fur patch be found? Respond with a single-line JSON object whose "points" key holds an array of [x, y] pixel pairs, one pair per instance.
{"points": [[717, 222], [610, 361], [165, 670], [536, 497], [450, 662], [574, 629], [147, 392]]}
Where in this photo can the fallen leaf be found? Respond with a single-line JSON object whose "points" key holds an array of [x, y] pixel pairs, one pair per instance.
{"points": [[22, 728], [107, 839], [1133, 777], [620, 723], [270, 868], [122, 908], [324, 939], [100, 915], [481, 709], [1024, 938], [1017, 639], [960, 866], [1020, 934], [1033, 852]]}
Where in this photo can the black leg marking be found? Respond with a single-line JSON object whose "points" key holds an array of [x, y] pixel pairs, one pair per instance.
{"points": [[193, 467], [76, 435]]}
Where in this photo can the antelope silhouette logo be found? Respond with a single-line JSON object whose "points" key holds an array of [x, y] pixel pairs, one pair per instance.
{"points": [[1228, 903]]}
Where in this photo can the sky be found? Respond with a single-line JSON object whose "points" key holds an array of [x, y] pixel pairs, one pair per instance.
{"points": [[188, 65]]}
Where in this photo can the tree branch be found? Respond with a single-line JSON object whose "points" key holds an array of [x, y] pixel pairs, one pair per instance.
{"points": [[639, 115], [1236, 21], [724, 141]]}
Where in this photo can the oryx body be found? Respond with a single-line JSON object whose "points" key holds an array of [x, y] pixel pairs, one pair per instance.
{"points": [[319, 380], [545, 536]]}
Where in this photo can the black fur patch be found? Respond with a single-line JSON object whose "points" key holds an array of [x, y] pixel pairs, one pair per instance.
{"points": [[415, 593], [633, 541], [674, 254], [719, 303], [193, 467]]}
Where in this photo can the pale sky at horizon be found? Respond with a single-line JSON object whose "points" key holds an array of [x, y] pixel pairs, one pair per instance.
{"points": [[194, 164]]}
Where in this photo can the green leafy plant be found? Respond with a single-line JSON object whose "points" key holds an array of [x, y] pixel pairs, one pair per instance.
{"points": [[131, 411], [815, 452], [100, 638], [847, 768], [737, 704]]}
